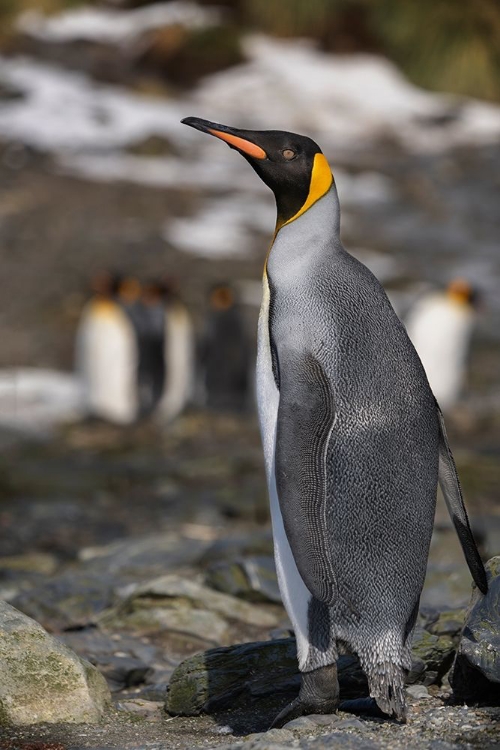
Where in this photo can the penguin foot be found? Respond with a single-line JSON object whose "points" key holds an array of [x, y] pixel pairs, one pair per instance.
{"points": [[319, 694], [363, 707], [367, 707]]}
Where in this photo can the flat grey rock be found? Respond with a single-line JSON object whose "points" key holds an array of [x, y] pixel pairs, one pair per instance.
{"points": [[69, 600], [180, 604], [417, 691], [124, 660], [302, 723], [253, 578]]}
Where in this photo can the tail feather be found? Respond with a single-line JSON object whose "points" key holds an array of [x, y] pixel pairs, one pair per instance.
{"points": [[452, 492], [385, 662], [387, 686]]}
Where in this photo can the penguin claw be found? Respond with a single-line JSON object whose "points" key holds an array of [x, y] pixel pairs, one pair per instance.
{"points": [[298, 708], [290, 712]]}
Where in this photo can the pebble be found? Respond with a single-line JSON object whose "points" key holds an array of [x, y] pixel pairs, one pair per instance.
{"points": [[418, 691], [148, 709], [272, 735], [436, 721], [325, 719], [303, 722], [350, 724]]}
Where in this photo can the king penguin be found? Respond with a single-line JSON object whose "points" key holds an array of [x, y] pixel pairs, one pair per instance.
{"points": [[107, 354], [440, 326], [353, 438], [225, 352]]}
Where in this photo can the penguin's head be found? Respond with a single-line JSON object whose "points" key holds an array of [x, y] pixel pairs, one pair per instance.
{"points": [[105, 283], [153, 292], [292, 165], [461, 292], [129, 290], [221, 297]]}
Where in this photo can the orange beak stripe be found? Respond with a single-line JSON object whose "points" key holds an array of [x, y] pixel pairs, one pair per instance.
{"points": [[241, 144]]}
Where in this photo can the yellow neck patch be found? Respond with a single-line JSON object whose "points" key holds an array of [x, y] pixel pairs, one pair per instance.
{"points": [[104, 307], [321, 182]]}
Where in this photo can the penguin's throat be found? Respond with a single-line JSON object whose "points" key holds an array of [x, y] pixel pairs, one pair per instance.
{"points": [[308, 241]]}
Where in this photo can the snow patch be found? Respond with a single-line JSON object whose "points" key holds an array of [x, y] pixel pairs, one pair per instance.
{"points": [[346, 101], [64, 111], [34, 399], [113, 26], [223, 228]]}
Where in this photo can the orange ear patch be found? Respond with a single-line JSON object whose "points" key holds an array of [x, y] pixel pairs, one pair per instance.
{"points": [[241, 144], [321, 182]]}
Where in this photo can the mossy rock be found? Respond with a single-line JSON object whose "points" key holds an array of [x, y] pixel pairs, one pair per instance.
{"points": [[42, 679], [214, 680], [435, 653], [250, 578], [448, 623]]}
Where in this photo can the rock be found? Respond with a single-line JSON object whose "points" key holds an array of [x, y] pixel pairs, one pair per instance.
{"points": [[340, 741], [124, 660], [475, 677], [250, 578], [324, 720], [42, 679], [306, 725], [70, 600], [236, 546], [272, 736], [143, 558], [34, 562], [141, 617], [175, 603], [303, 723], [334, 741], [150, 710], [20, 573], [450, 623], [432, 657], [350, 724], [417, 691], [213, 680]]}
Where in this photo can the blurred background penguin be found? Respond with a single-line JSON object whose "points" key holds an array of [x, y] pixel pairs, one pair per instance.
{"points": [[178, 353], [151, 334], [107, 353], [225, 352], [440, 326]]}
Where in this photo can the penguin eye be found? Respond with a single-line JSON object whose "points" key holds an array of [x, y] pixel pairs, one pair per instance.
{"points": [[288, 153]]}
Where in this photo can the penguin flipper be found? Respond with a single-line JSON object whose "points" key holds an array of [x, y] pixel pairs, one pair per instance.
{"points": [[306, 414], [452, 492]]}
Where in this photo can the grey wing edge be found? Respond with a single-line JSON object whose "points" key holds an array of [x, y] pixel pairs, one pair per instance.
{"points": [[452, 492]]}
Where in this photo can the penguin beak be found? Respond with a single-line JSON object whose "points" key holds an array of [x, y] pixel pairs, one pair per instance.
{"points": [[235, 138]]}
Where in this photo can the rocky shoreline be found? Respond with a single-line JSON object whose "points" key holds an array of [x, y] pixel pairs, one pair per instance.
{"points": [[188, 600]]}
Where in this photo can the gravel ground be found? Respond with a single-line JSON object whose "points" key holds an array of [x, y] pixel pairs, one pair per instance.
{"points": [[431, 724]]}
